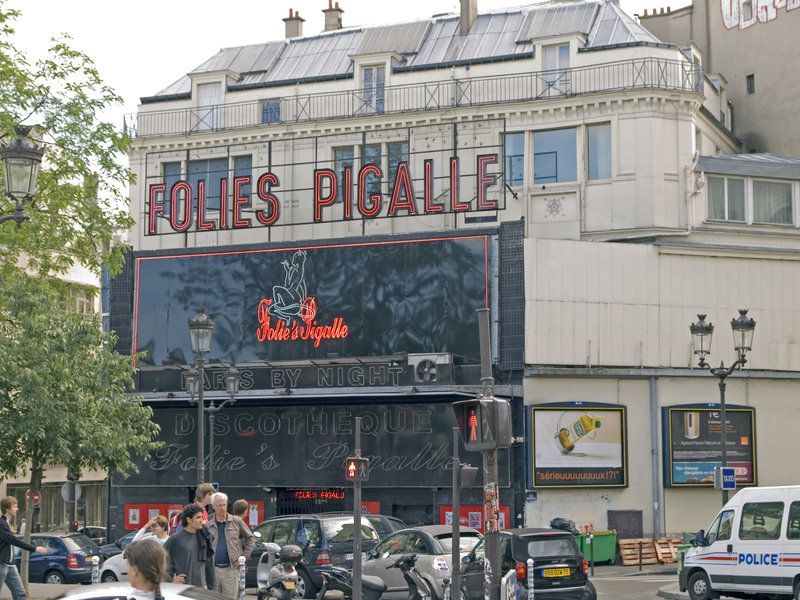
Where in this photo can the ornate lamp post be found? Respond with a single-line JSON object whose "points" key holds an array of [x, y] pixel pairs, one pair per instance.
{"points": [[21, 162], [743, 328], [201, 327]]}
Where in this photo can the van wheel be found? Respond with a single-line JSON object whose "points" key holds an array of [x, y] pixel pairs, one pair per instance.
{"points": [[797, 591], [699, 588]]}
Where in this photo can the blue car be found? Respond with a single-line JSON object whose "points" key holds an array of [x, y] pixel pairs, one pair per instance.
{"points": [[68, 558]]}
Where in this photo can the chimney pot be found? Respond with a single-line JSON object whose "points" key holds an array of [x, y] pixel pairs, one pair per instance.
{"points": [[645, 12], [333, 16]]}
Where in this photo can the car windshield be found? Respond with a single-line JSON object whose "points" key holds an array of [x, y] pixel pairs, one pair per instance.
{"points": [[78, 541], [341, 530], [551, 546], [466, 541]]}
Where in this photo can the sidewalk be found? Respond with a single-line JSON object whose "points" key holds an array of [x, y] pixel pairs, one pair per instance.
{"points": [[670, 591]]}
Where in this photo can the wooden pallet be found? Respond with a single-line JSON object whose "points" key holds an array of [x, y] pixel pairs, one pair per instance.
{"points": [[667, 549], [629, 551]]}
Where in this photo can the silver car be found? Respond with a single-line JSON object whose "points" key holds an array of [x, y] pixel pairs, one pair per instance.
{"points": [[433, 546], [109, 591]]}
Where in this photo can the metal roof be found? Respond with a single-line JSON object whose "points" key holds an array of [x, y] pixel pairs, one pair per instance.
{"points": [[429, 43], [751, 165]]}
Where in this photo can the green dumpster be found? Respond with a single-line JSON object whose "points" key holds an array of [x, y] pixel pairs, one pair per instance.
{"points": [[605, 546], [682, 550]]}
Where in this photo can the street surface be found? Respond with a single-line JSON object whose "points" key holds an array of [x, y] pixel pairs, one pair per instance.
{"points": [[643, 587]]}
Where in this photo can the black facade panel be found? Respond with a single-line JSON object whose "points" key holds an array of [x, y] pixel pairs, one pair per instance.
{"points": [[512, 296]]}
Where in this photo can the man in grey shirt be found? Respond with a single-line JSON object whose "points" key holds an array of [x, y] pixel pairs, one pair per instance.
{"points": [[190, 554]]}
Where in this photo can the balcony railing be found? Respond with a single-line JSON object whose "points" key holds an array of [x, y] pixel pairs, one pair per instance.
{"points": [[634, 74]]}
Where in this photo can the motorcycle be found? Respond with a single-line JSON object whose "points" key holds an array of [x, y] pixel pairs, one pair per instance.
{"points": [[418, 587], [340, 582], [276, 574]]}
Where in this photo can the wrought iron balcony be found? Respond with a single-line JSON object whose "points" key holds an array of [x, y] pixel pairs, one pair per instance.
{"points": [[436, 95]]}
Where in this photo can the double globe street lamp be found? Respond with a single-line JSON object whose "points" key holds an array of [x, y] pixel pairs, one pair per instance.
{"points": [[21, 162], [201, 329], [743, 328]]}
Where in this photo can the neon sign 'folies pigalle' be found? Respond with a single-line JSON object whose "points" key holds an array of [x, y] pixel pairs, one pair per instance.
{"points": [[180, 204], [290, 314]]}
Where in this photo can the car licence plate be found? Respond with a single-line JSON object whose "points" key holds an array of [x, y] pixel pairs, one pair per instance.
{"points": [[555, 572], [290, 585], [348, 557]]}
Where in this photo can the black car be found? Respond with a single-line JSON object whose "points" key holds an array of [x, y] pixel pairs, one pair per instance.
{"points": [[384, 524], [68, 558], [110, 550], [559, 568], [326, 539]]}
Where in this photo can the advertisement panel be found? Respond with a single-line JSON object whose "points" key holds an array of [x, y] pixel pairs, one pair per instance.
{"points": [[577, 444], [694, 444]]}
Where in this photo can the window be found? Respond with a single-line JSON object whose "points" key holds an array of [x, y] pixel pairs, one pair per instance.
{"points": [[172, 175], [397, 153], [772, 202], [271, 111], [555, 60], [79, 299], [750, 82], [373, 79], [554, 156], [514, 158], [720, 529], [371, 155], [599, 151], [208, 100], [761, 521], [726, 198], [243, 167], [793, 526], [210, 171], [343, 159]]}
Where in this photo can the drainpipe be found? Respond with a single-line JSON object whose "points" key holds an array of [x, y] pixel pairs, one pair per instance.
{"points": [[654, 458]]}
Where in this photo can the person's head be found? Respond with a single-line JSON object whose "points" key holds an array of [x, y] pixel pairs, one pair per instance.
{"points": [[240, 508], [192, 517], [8, 506], [159, 525], [203, 494], [147, 563], [219, 502]]}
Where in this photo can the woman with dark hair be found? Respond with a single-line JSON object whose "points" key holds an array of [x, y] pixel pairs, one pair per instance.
{"points": [[147, 564]]}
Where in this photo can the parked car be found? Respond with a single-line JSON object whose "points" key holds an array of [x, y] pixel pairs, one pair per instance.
{"points": [[326, 539], [97, 534], [68, 558], [114, 569], [117, 547], [433, 546], [120, 591], [560, 570], [384, 524]]}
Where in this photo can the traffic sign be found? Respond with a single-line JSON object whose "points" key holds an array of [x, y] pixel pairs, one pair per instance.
{"points": [[65, 491], [357, 469], [725, 478], [36, 497]]}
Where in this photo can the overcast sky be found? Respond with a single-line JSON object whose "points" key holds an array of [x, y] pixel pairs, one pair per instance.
{"points": [[140, 47]]}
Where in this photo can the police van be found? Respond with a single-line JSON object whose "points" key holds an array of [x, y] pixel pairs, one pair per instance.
{"points": [[751, 549]]}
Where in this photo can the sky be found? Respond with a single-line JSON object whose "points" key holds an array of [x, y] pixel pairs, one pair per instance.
{"points": [[141, 47]]}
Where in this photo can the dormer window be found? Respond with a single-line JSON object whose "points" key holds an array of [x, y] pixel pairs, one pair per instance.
{"points": [[209, 97], [373, 80], [555, 61]]}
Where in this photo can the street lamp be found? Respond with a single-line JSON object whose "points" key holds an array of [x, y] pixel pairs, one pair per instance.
{"points": [[21, 162], [743, 328], [201, 327]]}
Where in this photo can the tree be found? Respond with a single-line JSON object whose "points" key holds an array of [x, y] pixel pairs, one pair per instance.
{"points": [[79, 203], [64, 392]]}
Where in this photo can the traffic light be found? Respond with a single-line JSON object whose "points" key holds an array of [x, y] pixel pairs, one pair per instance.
{"points": [[356, 469], [485, 423], [73, 469], [466, 476], [73, 526]]}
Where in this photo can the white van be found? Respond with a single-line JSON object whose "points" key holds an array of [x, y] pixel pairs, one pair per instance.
{"points": [[751, 548]]}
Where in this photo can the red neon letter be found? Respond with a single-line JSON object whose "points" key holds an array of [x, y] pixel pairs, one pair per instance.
{"points": [[430, 207], [347, 200], [455, 205], [485, 180], [263, 191], [362, 190], [202, 224], [320, 176], [402, 183], [187, 206], [238, 200], [223, 203], [155, 190]]}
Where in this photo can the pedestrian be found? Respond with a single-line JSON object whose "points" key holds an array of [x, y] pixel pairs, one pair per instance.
{"points": [[8, 570], [147, 564], [202, 497], [21, 530], [190, 551], [155, 528], [241, 508], [230, 539]]}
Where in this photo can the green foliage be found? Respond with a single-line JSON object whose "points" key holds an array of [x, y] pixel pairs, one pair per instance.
{"points": [[63, 391], [79, 204]]}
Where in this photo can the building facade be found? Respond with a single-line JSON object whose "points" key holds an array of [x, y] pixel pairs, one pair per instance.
{"points": [[343, 203]]}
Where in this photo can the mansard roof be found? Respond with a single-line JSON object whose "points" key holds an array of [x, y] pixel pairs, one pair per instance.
{"points": [[424, 44], [751, 165]]}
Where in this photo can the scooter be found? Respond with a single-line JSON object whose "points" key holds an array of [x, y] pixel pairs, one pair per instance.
{"points": [[276, 574], [339, 582], [418, 587]]}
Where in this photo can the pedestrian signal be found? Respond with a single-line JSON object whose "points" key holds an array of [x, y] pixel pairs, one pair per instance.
{"points": [[485, 423], [356, 469]]}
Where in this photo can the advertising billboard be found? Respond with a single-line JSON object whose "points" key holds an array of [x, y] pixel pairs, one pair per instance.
{"points": [[577, 444], [693, 434]]}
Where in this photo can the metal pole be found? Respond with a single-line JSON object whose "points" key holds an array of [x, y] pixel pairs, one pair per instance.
{"points": [[491, 527], [455, 587], [724, 432], [201, 463], [211, 410], [357, 521]]}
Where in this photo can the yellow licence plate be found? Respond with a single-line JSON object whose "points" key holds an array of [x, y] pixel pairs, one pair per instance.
{"points": [[290, 585], [555, 572]]}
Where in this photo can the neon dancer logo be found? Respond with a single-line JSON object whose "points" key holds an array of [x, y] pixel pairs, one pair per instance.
{"points": [[290, 313]]}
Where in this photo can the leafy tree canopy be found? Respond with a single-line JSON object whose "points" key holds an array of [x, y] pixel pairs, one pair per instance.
{"points": [[79, 203]]}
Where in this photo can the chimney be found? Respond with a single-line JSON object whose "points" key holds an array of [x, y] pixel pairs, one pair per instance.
{"points": [[333, 16], [469, 10], [294, 24]]}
